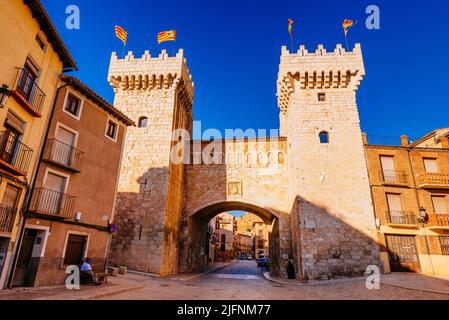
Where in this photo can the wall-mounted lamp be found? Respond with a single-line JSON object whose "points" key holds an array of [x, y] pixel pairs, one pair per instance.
{"points": [[422, 215], [78, 216], [4, 95], [378, 224]]}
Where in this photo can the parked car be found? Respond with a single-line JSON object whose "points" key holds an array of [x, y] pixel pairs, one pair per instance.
{"points": [[262, 262], [242, 257], [249, 257]]}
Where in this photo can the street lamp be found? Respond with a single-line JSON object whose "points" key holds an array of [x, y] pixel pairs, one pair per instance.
{"points": [[422, 215], [4, 95]]}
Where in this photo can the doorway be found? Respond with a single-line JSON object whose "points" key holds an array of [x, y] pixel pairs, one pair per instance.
{"points": [[29, 256], [403, 254]]}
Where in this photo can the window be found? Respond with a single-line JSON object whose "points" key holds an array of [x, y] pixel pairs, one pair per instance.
{"points": [[439, 204], [75, 250], [444, 243], [260, 244], [431, 165], [395, 207], [111, 131], [321, 97], [72, 105], [143, 122], [388, 168], [223, 238], [324, 137], [40, 42]]}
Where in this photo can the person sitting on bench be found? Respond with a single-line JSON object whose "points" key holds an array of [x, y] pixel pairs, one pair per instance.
{"points": [[86, 269]]}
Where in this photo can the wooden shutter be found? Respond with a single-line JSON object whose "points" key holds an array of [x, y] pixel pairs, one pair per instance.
{"points": [[439, 205], [74, 253], [431, 165]]}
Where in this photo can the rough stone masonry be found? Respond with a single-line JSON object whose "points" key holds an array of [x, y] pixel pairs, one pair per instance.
{"points": [[315, 195]]}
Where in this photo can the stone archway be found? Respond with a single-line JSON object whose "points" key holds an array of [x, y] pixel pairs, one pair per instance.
{"points": [[192, 248]]}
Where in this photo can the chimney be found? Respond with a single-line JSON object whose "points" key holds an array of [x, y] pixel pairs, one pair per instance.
{"points": [[364, 138], [404, 141], [445, 142]]}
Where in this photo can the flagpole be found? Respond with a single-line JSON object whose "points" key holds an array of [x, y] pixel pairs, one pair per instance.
{"points": [[123, 53], [347, 45], [293, 47]]}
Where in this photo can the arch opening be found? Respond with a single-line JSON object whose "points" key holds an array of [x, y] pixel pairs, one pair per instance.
{"points": [[210, 244]]}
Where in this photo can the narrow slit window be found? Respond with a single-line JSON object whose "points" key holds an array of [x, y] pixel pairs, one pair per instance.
{"points": [[324, 137], [143, 122]]}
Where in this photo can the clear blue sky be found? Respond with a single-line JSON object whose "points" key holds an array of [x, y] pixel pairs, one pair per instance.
{"points": [[233, 49]]}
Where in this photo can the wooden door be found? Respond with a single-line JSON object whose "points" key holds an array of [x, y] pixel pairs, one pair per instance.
{"points": [[63, 152], [388, 169], [9, 207], [23, 272], [403, 254], [54, 193]]}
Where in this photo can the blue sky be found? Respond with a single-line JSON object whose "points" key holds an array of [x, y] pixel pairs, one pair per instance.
{"points": [[233, 49]]}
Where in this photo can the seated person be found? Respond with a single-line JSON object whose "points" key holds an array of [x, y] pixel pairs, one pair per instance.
{"points": [[86, 270]]}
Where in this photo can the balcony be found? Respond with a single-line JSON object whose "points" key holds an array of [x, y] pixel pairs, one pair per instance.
{"points": [[394, 178], [401, 218], [27, 93], [438, 221], [430, 180], [52, 204], [63, 155], [7, 218], [15, 157]]}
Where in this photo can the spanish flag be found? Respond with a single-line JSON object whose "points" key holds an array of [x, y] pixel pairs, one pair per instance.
{"points": [[166, 36], [290, 26], [121, 34], [346, 24]]}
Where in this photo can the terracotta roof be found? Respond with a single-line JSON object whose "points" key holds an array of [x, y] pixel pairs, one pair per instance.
{"points": [[47, 26], [92, 95]]}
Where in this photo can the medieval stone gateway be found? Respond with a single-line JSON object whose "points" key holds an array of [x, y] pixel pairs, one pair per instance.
{"points": [[311, 184]]}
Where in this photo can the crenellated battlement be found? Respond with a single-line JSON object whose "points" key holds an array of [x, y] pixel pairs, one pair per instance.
{"points": [[319, 70], [150, 73]]}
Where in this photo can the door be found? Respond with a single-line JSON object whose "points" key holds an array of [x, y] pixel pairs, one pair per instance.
{"points": [[9, 144], [23, 275], [53, 193], [62, 152], [395, 208], [9, 207], [388, 169], [403, 254], [75, 250]]}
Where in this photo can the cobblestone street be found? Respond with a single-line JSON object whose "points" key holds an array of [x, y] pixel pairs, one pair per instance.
{"points": [[243, 281]]}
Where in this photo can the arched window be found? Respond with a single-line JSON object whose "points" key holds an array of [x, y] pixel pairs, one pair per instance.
{"points": [[143, 122], [324, 137]]}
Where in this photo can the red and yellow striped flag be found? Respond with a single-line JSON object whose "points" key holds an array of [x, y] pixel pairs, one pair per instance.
{"points": [[290, 26], [166, 36], [346, 24], [121, 34]]}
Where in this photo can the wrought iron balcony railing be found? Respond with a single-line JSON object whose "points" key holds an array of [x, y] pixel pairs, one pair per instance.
{"points": [[438, 220], [14, 154], [7, 218], [52, 203], [401, 217], [393, 177], [63, 155], [435, 180], [28, 93]]}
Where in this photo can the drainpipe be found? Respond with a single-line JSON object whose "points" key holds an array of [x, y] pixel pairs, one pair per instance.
{"points": [[26, 206]]}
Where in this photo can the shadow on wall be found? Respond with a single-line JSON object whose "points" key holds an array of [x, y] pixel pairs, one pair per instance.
{"points": [[140, 220], [326, 247]]}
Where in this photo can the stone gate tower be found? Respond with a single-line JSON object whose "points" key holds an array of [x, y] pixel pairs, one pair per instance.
{"points": [[333, 227], [156, 92]]}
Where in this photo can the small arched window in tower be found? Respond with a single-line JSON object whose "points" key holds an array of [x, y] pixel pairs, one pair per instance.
{"points": [[143, 122], [324, 137]]}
